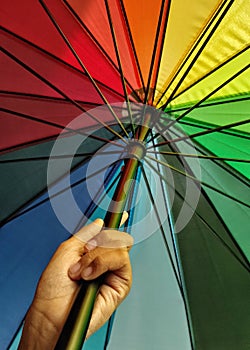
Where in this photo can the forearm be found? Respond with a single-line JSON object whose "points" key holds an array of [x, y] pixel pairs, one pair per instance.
{"points": [[39, 333]]}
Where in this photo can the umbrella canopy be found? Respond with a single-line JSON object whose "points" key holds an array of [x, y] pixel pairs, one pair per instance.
{"points": [[81, 83]]}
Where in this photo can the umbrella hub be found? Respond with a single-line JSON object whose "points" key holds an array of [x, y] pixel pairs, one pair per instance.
{"points": [[136, 149]]}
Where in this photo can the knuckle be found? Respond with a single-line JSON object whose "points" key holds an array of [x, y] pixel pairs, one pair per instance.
{"points": [[90, 255], [100, 261], [87, 259], [123, 252], [64, 244], [101, 264]]}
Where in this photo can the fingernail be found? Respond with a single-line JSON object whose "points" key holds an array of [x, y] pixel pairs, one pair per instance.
{"points": [[91, 244], [75, 268], [99, 222], [87, 272]]}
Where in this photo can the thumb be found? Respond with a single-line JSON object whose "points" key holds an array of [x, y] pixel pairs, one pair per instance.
{"points": [[89, 231]]}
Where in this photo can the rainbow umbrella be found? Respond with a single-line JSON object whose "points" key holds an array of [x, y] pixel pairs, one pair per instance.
{"points": [[113, 105]]}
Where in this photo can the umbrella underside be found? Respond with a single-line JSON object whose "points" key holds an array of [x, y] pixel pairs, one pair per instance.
{"points": [[89, 88]]}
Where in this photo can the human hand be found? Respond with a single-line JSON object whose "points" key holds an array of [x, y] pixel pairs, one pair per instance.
{"points": [[105, 252]]}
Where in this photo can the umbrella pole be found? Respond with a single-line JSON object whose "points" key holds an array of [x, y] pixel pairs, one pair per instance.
{"points": [[74, 331]]}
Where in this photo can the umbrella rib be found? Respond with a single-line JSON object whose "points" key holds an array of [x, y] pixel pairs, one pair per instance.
{"points": [[201, 156], [47, 139], [189, 321], [162, 15], [132, 44], [164, 31], [223, 166], [21, 212], [85, 28], [168, 210], [108, 331], [27, 144], [56, 58], [120, 65], [201, 133], [180, 287], [230, 132], [199, 181], [75, 131], [226, 131], [47, 82], [215, 103], [88, 212], [63, 156], [67, 42], [208, 95], [221, 240], [211, 72], [162, 232], [214, 28], [45, 98], [204, 193], [223, 131], [180, 138], [244, 264]]}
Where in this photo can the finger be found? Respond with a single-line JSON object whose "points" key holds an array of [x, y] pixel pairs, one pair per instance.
{"points": [[110, 239], [99, 261], [87, 232], [124, 218]]}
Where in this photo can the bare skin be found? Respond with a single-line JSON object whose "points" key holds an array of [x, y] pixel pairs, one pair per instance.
{"points": [[75, 259]]}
